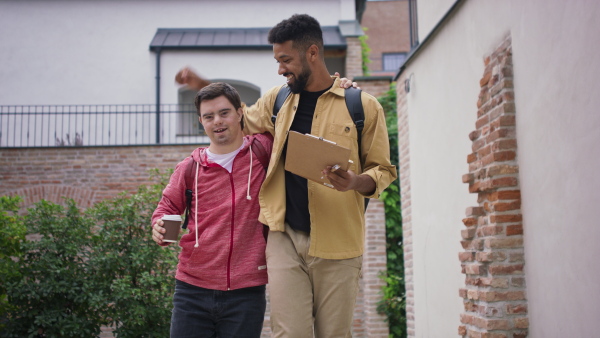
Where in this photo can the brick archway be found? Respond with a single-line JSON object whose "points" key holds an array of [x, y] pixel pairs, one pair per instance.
{"points": [[55, 193]]}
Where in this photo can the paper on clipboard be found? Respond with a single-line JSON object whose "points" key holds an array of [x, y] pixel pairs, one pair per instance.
{"points": [[308, 155]]}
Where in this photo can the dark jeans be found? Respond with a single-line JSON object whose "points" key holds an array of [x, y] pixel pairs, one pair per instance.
{"points": [[199, 312]]}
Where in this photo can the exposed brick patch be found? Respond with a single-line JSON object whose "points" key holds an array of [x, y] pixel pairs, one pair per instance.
{"points": [[494, 295]]}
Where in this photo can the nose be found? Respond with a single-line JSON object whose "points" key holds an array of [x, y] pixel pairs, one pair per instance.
{"points": [[281, 70]]}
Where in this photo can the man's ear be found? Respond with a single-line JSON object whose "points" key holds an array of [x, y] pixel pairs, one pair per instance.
{"points": [[312, 53], [200, 120]]}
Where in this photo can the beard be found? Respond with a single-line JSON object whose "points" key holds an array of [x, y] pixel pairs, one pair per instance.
{"points": [[300, 81]]}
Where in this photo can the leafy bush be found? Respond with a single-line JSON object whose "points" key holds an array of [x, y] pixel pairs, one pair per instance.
{"points": [[53, 293], [393, 304], [12, 233], [134, 272], [85, 270]]}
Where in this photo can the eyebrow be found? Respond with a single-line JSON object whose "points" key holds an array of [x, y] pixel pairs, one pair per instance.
{"points": [[219, 111]]}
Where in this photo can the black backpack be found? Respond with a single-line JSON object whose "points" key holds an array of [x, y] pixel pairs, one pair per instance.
{"points": [[353, 103]]}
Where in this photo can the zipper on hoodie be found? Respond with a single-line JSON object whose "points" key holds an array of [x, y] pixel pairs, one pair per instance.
{"points": [[232, 228]]}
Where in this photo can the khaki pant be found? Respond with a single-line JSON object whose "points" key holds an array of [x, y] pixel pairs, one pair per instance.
{"points": [[304, 289]]}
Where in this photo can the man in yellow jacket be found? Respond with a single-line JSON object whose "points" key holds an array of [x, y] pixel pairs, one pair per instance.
{"points": [[315, 246]]}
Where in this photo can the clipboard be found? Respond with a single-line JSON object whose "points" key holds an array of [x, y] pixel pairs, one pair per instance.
{"points": [[308, 155]]}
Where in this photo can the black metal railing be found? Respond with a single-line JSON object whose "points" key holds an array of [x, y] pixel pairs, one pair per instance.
{"points": [[98, 125]]}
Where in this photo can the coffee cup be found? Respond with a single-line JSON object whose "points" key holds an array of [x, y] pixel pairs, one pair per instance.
{"points": [[172, 223]]}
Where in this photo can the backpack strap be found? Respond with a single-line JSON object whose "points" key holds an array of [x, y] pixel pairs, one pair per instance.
{"points": [[355, 108], [282, 95], [189, 183], [261, 153]]}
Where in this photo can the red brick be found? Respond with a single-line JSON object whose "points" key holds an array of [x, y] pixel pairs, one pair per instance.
{"points": [[508, 144], [494, 282], [475, 211], [469, 221], [468, 233], [477, 144], [475, 269], [517, 282], [501, 169], [514, 229], [504, 243], [502, 156], [506, 206], [474, 135], [497, 296], [482, 121], [516, 309], [507, 218], [484, 151], [505, 269], [521, 323], [492, 256], [486, 78], [474, 244], [508, 194], [466, 256], [490, 230], [472, 157]]}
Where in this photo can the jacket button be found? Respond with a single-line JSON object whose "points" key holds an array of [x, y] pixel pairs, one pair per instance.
{"points": [[347, 129], [294, 107]]}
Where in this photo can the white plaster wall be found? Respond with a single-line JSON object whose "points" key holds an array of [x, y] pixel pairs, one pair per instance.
{"points": [[556, 71], [429, 13], [96, 51]]}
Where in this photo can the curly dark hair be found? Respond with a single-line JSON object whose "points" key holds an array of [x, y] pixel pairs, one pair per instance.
{"points": [[302, 29]]}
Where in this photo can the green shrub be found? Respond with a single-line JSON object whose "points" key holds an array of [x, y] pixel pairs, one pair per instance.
{"points": [[12, 233], [53, 292], [84, 270], [136, 274], [393, 304]]}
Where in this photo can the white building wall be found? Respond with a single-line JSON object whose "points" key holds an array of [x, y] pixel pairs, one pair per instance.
{"points": [[96, 51], [556, 71]]}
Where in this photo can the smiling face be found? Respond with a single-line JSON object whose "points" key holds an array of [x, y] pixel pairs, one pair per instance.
{"points": [[293, 65], [221, 122]]}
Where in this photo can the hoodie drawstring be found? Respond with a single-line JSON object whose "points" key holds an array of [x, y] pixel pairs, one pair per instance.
{"points": [[196, 206], [248, 197]]}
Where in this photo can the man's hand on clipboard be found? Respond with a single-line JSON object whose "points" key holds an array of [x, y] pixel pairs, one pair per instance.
{"points": [[349, 180]]}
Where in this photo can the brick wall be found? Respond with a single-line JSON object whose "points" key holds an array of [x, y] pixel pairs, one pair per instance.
{"points": [[376, 86], [387, 24], [405, 198], [353, 58], [494, 296], [89, 175]]}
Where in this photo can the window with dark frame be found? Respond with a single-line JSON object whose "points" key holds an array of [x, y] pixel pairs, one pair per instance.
{"points": [[391, 62]]}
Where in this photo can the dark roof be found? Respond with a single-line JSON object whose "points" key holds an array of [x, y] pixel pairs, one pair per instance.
{"points": [[229, 38]]}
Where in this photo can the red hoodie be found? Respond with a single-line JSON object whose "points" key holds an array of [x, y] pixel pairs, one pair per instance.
{"points": [[225, 248]]}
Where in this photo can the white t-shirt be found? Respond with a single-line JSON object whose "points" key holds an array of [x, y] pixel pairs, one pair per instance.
{"points": [[224, 160]]}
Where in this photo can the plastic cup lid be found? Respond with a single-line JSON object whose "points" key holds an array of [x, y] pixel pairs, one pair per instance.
{"points": [[171, 218]]}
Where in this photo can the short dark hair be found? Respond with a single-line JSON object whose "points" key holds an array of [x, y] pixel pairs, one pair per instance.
{"points": [[216, 89], [302, 29]]}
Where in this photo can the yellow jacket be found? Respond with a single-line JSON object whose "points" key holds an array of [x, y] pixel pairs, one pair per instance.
{"points": [[337, 218]]}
